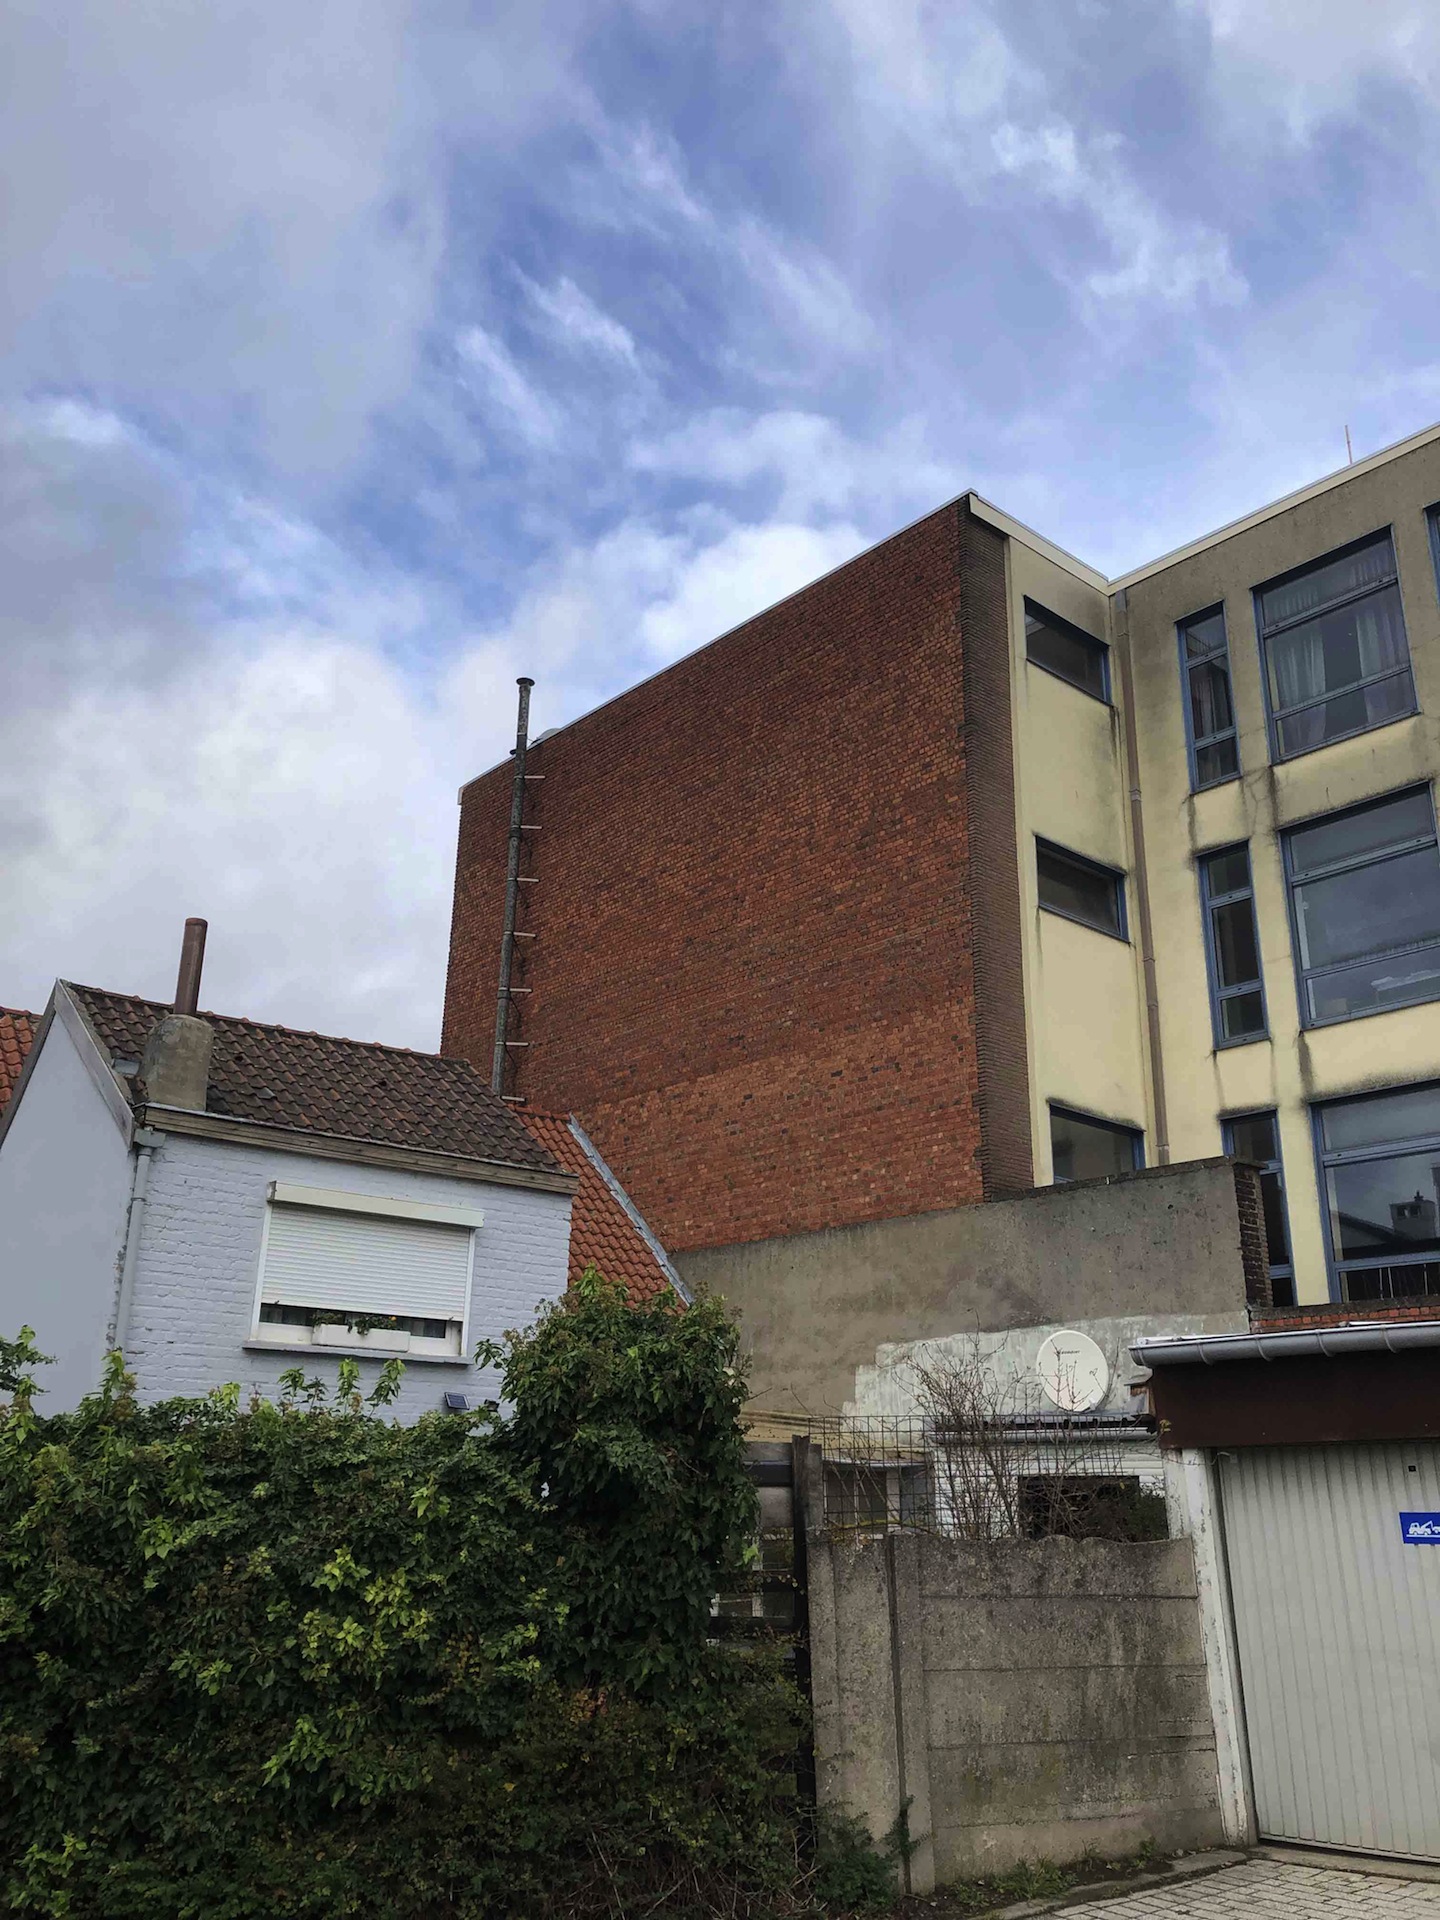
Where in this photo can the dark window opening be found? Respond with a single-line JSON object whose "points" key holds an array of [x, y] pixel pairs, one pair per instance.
{"points": [[1209, 706], [1256, 1137], [1080, 889], [1237, 995], [1365, 902], [1067, 650], [1336, 658], [1380, 1166], [1083, 1148], [1078, 1506]]}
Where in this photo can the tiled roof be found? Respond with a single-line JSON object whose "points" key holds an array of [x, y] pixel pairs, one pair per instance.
{"points": [[353, 1089], [600, 1229], [17, 1036]]}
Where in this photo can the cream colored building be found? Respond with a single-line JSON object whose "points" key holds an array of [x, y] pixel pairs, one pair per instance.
{"points": [[1224, 766]]}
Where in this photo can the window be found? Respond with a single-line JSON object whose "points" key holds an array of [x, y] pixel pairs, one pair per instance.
{"points": [[1380, 1174], [1336, 658], [1209, 709], [349, 1270], [1069, 651], [1083, 1148], [1080, 889], [1365, 901], [1237, 999], [1433, 516], [1256, 1137]]}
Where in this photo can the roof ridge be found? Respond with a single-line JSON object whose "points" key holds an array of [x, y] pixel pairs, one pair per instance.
{"points": [[275, 1026]]}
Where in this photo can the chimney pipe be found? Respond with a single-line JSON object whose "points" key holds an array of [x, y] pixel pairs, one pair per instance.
{"points": [[192, 960], [175, 1066]]}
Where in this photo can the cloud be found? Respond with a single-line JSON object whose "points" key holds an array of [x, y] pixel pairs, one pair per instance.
{"points": [[575, 319], [506, 389]]}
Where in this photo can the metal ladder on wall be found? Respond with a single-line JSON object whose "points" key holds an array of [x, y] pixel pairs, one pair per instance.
{"points": [[518, 941]]}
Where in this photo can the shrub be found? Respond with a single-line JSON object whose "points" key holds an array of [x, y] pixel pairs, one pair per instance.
{"points": [[299, 1660]]}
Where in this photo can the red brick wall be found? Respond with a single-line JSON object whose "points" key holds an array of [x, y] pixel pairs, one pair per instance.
{"points": [[752, 974], [1342, 1313]]}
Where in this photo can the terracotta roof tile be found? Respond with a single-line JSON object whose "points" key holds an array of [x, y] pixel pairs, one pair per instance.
{"points": [[17, 1036], [600, 1229], [354, 1089]]}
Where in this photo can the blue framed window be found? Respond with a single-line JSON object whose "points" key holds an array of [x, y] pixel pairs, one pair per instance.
{"points": [[1067, 650], [1332, 636], [1080, 889], [1209, 708], [1365, 908], [1232, 945], [1379, 1160], [1085, 1148], [1433, 518], [1256, 1137]]}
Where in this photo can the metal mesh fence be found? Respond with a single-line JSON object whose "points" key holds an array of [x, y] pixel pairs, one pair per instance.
{"points": [[1024, 1478]]}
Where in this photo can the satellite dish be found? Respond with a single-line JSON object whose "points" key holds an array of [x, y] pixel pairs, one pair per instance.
{"points": [[1073, 1372]]}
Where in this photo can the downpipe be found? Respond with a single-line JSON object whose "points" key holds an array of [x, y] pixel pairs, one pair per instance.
{"points": [[146, 1141]]}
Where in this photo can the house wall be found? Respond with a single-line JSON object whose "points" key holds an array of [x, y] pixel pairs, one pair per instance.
{"points": [[1294, 1067], [1084, 995], [823, 1314], [64, 1194], [752, 975], [1032, 1700], [194, 1300]]}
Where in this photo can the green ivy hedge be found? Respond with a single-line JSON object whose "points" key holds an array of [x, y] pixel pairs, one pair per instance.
{"points": [[299, 1660]]}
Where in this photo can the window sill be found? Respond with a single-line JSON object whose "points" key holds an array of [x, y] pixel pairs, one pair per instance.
{"points": [[1089, 925], [409, 1359], [1245, 1040]]}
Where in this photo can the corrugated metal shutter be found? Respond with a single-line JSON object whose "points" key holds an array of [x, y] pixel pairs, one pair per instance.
{"points": [[315, 1258], [1338, 1626]]}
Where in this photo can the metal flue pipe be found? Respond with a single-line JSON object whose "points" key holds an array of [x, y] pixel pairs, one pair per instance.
{"points": [[512, 885], [192, 961]]}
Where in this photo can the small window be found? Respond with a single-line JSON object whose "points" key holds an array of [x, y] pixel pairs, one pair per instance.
{"points": [[1237, 998], [344, 1275], [1068, 651], [1209, 708], [1080, 889], [1256, 1137], [1433, 517], [1336, 658], [1083, 1148], [1380, 1163], [1365, 903]]}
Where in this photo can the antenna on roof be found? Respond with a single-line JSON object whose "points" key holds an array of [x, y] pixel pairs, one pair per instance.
{"points": [[1349, 450]]}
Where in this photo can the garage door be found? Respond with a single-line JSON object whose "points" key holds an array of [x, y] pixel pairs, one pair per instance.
{"points": [[1337, 1620]]}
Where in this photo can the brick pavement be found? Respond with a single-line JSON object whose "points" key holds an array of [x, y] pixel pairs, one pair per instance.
{"points": [[1270, 1890]]}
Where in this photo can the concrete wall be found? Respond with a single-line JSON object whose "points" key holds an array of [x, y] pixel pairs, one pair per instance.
{"points": [[1294, 1066], [64, 1191], [1030, 1699], [194, 1300], [816, 1308]]}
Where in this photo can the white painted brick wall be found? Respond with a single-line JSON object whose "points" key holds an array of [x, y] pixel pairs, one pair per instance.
{"points": [[200, 1250]]}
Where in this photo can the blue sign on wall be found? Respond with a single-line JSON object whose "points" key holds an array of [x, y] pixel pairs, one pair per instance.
{"points": [[1420, 1529]]}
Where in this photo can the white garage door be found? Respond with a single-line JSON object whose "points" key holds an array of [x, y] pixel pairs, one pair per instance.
{"points": [[1338, 1624]]}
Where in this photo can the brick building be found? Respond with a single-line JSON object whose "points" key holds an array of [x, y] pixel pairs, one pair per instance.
{"points": [[967, 869]]}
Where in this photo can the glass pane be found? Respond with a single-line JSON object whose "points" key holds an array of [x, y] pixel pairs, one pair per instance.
{"points": [[1329, 580], [1391, 1283], [1073, 656], [1386, 1206], [1219, 761], [1277, 1240], [1346, 713], [1088, 1150], [1227, 872], [1210, 709], [1205, 635], [1393, 823], [1336, 649], [1253, 1137], [1406, 980], [1412, 1114], [1237, 956], [1370, 910], [1242, 1016], [1071, 888]]}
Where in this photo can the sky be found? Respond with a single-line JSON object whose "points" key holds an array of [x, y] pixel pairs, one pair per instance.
{"points": [[357, 357]]}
